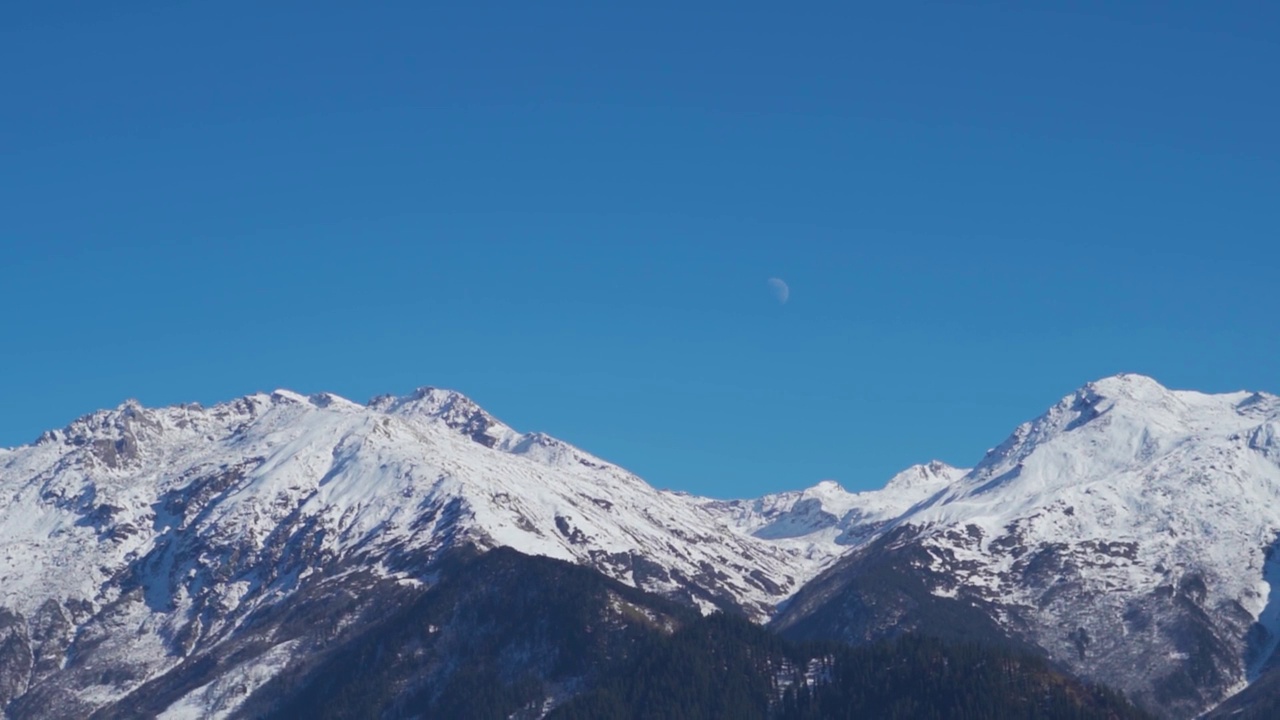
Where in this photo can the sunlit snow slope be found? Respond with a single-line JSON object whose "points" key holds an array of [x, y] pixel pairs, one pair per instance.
{"points": [[135, 537], [823, 521], [1126, 531]]}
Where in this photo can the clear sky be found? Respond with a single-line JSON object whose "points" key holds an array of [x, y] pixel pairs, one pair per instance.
{"points": [[570, 212]]}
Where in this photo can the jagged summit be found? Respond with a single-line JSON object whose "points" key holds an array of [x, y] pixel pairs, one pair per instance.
{"points": [[934, 474], [453, 409], [427, 400]]}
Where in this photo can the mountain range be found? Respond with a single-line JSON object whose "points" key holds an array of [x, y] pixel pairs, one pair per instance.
{"points": [[190, 562]]}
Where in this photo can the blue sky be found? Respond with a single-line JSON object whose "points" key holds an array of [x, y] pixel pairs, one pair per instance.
{"points": [[569, 211]]}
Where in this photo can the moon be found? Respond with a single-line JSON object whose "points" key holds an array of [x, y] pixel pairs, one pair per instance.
{"points": [[779, 290]]}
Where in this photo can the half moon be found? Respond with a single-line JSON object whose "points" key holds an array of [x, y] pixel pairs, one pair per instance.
{"points": [[779, 290]]}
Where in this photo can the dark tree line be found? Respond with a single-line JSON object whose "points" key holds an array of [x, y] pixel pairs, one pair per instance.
{"points": [[720, 668], [501, 632]]}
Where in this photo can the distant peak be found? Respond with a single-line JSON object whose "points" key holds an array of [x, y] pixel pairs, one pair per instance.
{"points": [[428, 399], [1255, 400], [381, 403], [937, 467], [285, 396], [934, 472], [829, 486], [449, 407], [328, 399], [289, 396], [432, 392]]}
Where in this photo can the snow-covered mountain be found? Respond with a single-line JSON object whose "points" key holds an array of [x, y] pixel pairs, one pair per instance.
{"points": [[169, 555], [821, 522], [1127, 531], [136, 537]]}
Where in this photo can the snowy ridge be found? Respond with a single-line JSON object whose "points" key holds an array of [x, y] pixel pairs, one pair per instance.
{"points": [[824, 521], [1189, 477], [370, 476], [175, 523], [1124, 528]]}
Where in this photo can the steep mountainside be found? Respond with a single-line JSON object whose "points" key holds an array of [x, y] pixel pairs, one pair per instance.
{"points": [[503, 635], [498, 635], [1126, 532], [135, 538]]}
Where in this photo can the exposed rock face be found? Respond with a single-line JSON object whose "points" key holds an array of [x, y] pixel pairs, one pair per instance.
{"points": [[15, 657]]}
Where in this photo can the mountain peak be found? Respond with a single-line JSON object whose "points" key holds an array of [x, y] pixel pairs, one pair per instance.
{"points": [[438, 394], [1128, 385], [450, 407], [934, 472], [288, 396], [428, 399]]}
